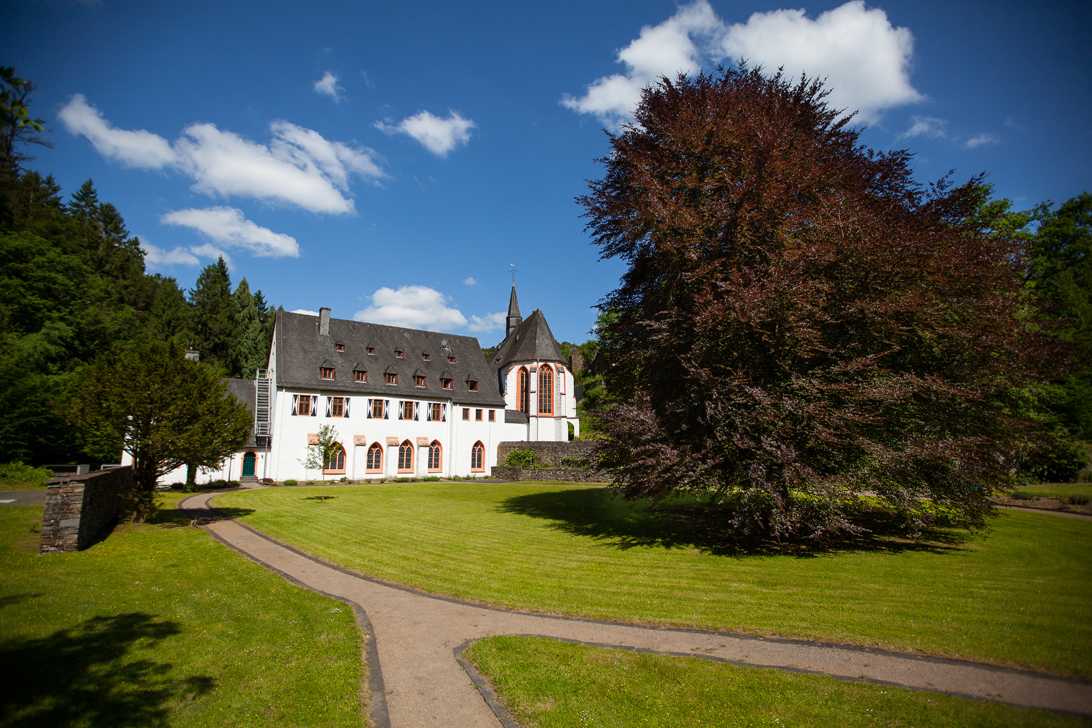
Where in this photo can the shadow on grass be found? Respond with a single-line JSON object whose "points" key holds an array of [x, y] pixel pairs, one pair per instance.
{"points": [[602, 514], [171, 517], [319, 498], [81, 676]]}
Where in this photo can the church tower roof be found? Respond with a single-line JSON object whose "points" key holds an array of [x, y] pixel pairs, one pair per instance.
{"points": [[513, 319], [531, 340], [513, 304]]}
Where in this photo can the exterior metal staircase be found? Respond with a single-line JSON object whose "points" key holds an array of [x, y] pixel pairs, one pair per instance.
{"points": [[262, 403]]}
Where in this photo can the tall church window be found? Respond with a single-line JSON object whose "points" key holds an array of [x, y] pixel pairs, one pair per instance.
{"points": [[374, 462], [545, 390], [435, 454], [477, 457], [523, 391], [405, 457], [335, 462]]}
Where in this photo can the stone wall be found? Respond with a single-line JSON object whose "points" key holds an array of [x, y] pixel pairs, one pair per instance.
{"points": [[81, 510], [553, 461], [548, 454], [578, 475]]}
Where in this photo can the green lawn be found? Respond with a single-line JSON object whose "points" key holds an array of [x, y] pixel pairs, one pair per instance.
{"points": [[161, 624], [1077, 493], [547, 683], [1020, 593]]}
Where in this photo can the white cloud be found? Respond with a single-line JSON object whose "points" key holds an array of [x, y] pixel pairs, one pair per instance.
{"points": [[211, 252], [334, 159], [926, 126], [667, 49], [133, 148], [415, 307], [488, 322], [863, 57], [328, 86], [470, 281], [156, 257], [436, 134], [228, 226], [981, 140], [299, 167], [306, 311]]}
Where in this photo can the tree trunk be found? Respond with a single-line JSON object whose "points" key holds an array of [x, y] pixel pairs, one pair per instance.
{"points": [[191, 477]]}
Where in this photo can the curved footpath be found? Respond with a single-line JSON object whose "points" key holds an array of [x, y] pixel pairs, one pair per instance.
{"points": [[418, 676]]}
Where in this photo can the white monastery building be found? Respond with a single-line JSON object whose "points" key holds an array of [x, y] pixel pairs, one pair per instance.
{"points": [[404, 403]]}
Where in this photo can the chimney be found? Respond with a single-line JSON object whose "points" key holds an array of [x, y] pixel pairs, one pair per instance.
{"points": [[324, 321]]}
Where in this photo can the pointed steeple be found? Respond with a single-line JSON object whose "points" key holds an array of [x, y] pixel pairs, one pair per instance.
{"points": [[514, 319]]}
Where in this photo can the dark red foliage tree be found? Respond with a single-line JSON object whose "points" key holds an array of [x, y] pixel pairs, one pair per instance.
{"points": [[800, 322]]}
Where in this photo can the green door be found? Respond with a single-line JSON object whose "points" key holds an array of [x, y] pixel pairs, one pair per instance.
{"points": [[248, 465]]}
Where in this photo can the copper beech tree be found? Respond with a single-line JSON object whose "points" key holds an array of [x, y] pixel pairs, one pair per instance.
{"points": [[799, 322]]}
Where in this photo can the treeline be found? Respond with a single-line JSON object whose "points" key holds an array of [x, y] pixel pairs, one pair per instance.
{"points": [[73, 289]]}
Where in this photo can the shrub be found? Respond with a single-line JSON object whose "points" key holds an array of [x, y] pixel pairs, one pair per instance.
{"points": [[521, 458], [290, 481], [1054, 458], [21, 474], [572, 461]]}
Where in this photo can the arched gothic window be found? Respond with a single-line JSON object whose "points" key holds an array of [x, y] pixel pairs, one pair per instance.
{"points": [[335, 462], [523, 391], [375, 458], [435, 456], [477, 457], [405, 457], [545, 390]]}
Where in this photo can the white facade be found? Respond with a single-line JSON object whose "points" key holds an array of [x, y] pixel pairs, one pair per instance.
{"points": [[541, 427], [390, 425]]}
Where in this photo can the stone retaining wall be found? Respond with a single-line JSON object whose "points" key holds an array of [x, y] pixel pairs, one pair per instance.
{"points": [[548, 454], [82, 509], [579, 475]]}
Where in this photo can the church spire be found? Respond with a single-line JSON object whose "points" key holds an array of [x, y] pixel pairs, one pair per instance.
{"points": [[514, 319]]}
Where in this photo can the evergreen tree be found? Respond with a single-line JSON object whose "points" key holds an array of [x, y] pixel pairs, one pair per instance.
{"points": [[250, 344], [214, 315]]}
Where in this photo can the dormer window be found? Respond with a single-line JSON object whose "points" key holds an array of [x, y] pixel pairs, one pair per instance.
{"points": [[371, 351], [339, 346], [447, 383], [472, 385], [390, 377], [360, 375], [450, 358], [399, 354], [426, 356], [326, 372], [419, 381]]}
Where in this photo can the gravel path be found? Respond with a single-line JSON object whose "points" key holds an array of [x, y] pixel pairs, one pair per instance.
{"points": [[418, 680], [22, 497]]}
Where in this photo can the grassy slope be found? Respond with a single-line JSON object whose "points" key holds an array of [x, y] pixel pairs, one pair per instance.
{"points": [[160, 624], [1019, 593], [1056, 490], [547, 684]]}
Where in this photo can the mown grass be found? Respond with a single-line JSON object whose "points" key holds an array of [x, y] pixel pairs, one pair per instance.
{"points": [[1072, 493], [17, 476], [551, 684], [1019, 593], [161, 624]]}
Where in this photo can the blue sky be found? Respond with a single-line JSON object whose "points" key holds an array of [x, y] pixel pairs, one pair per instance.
{"points": [[392, 163]]}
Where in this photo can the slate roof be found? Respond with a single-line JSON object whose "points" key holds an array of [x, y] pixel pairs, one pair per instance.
{"points": [[532, 340], [301, 350], [243, 390], [513, 304]]}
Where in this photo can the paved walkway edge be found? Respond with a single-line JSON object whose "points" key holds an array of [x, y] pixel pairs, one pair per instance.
{"points": [[423, 637], [745, 636], [373, 685]]}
